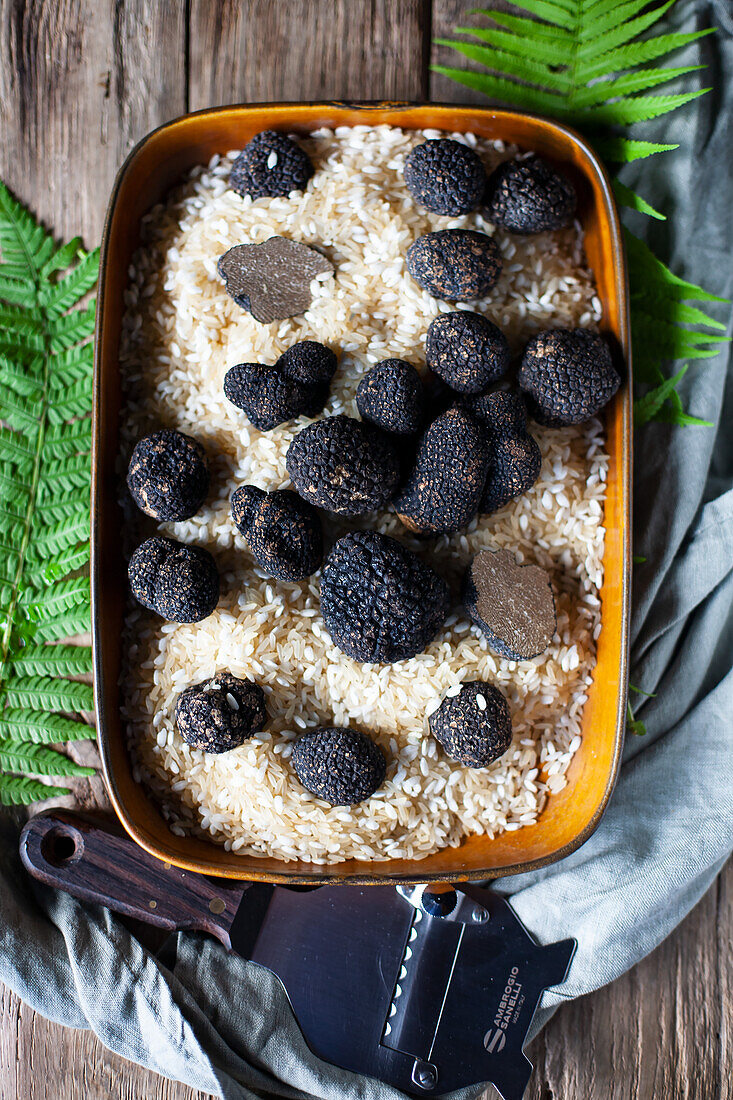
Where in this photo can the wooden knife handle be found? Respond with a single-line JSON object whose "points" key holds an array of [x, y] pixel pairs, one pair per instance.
{"points": [[93, 859]]}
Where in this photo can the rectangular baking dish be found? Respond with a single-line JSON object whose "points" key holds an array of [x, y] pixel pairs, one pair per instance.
{"points": [[156, 164]]}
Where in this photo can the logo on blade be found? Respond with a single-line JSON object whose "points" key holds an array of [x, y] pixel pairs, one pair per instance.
{"points": [[494, 1041]]}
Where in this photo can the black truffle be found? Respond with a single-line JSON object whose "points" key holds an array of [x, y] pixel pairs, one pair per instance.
{"points": [[567, 376], [474, 726], [272, 280], [379, 601], [515, 456], [221, 713], [512, 604], [298, 385], [443, 490], [284, 533], [343, 465], [270, 164], [445, 176], [457, 265], [391, 395], [168, 476], [466, 350], [529, 196], [180, 583], [339, 765]]}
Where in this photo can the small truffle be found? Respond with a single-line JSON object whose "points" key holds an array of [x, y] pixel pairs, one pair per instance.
{"points": [[468, 351], [445, 177], [221, 713], [515, 456], [443, 490], [457, 265], [180, 583], [512, 604], [529, 196], [168, 476], [474, 727], [284, 532], [272, 280], [270, 164], [379, 601], [339, 765], [343, 465], [567, 376], [297, 385], [391, 396]]}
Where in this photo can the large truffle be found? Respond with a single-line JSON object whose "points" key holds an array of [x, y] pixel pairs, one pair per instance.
{"points": [[391, 396], [339, 765], [343, 465], [515, 457], [567, 376], [512, 604], [474, 726], [379, 601], [221, 713], [284, 532], [179, 583], [168, 476], [270, 164], [468, 351], [445, 176], [443, 490], [529, 196], [297, 385], [457, 265]]}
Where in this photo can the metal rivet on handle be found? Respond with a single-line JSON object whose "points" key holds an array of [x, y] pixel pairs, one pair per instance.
{"points": [[152, 904], [217, 905], [424, 1075]]}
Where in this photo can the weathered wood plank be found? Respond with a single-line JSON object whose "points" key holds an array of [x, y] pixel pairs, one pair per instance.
{"points": [[448, 15]]}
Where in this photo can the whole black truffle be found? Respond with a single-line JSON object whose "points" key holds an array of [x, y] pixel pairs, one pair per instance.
{"points": [[391, 395], [567, 376], [221, 713], [457, 265], [180, 583], [270, 164], [445, 176], [298, 385], [512, 604], [474, 726], [515, 457], [284, 532], [168, 476], [443, 490], [379, 601], [466, 350], [529, 196], [339, 765], [343, 465]]}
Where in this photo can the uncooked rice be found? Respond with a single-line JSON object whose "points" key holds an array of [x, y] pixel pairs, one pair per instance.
{"points": [[181, 333]]}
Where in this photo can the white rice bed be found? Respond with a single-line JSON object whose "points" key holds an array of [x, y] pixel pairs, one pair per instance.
{"points": [[181, 333]]}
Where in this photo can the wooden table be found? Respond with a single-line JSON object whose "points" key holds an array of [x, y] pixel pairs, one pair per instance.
{"points": [[80, 82]]}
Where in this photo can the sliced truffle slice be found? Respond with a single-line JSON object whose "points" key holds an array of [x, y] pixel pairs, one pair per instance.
{"points": [[270, 164], [468, 351], [168, 475], [529, 196], [473, 726], [379, 601], [515, 456], [567, 376], [272, 280], [221, 713], [512, 604], [180, 583], [284, 532], [457, 265], [391, 396], [445, 176], [339, 765], [343, 465]]}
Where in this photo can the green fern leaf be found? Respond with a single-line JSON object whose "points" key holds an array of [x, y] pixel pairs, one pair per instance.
{"points": [[16, 756], [42, 728], [46, 693], [21, 791], [52, 660], [64, 563]]}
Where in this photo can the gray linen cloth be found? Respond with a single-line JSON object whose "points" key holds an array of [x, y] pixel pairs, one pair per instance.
{"points": [[222, 1024]]}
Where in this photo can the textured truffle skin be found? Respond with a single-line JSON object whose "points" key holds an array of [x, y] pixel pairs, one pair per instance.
{"points": [[298, 385], [567, 376], [308, 362], [443, 490], [220, 713], [284, 532], [254, 173], [168, 475], [512, 604], [379, 601], [529, 196], [468, 351], [180, 583], [457, 265], [515, 456], [339, 765], [391, 396], [445, 177], [473, 736], [343, 465]]}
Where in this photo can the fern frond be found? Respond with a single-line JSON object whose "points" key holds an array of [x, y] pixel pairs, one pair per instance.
{"points": [[46, 693], [21, 791], [35, 759], [42, 728], [51, 660]]}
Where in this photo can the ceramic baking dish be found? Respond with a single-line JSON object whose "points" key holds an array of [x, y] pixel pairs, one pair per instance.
{"points": [[571, 816]]}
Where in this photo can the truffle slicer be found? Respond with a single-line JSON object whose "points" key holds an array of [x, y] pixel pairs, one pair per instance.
{"points": [[427, 988]]}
